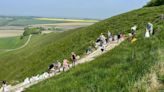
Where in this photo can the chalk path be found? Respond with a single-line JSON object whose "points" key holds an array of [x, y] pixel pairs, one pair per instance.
{"points": [[21, 87], [29, 38]]}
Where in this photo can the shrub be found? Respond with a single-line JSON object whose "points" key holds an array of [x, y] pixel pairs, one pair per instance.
{"points": [[21, 37], [155, 3], [29, 31]]}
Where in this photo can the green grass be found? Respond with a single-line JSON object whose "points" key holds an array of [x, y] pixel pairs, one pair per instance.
{"points": [[11, 42], [115, 71], [43, 49], [22, 21], [154, 3], [25, 21], [37, 43]]}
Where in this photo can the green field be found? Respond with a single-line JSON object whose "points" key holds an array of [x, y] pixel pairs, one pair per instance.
{"points": [[11, 42], [114, 71], [119, 69], [25, 21]]}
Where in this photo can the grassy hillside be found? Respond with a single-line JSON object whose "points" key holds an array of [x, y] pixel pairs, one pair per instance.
{"points": [[116, 71], [24, 56], [11, 42], [43, 50]]}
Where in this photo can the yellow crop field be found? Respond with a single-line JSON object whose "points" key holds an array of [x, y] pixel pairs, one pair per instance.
{"points": [[68, 20]]}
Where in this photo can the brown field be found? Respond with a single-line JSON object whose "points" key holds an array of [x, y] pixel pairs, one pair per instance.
{"points": [[11, 27], [65, 26], [10, 33]]}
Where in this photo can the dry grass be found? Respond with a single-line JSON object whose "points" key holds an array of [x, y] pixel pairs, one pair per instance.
{"points": [[150, 82]]}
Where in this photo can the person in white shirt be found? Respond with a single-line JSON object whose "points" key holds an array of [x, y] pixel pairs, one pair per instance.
{"points": [[133, 30]]}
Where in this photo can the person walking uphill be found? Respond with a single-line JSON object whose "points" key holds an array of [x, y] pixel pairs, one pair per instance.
{"points": [[65, 65], [103, 42], [103, 39], [149, 27], [133, 30], [109, 37], [4, 89], [74, 59]]}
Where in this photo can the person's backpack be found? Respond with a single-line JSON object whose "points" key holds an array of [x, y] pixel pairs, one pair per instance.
{"points": [[148, 26], [98, 40], [119, 36], [50, 66]]}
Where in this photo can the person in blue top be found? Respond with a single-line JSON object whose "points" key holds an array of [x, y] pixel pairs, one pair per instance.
{"points": [[149, 27]]}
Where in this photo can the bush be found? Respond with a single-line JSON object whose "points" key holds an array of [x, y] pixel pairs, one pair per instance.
{"points": [[29, 31], [155, 3], [21, 37]]}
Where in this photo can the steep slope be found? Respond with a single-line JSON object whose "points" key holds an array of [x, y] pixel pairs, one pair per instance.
{"points": [[34, 59], [11, 42], [116, 71], [12, 62]]}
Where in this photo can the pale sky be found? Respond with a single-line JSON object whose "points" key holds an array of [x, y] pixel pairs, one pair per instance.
{"points": [[98, 9]]}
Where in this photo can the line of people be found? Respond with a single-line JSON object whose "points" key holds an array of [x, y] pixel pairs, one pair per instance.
{"points": [[101, 43], [57, 65], [52, 69], [149, 32]]}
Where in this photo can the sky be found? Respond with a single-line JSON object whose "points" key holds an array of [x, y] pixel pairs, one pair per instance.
{"points": [[95, 9]]}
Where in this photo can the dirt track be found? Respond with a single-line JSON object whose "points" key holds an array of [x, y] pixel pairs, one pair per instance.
{"points": [[29, 38]]}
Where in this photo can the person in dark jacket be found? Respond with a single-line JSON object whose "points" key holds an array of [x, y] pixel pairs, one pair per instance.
{"points": [[74, 59]]}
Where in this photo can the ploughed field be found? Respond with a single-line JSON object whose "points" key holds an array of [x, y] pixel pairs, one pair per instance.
{"points": [[10, 33]]}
